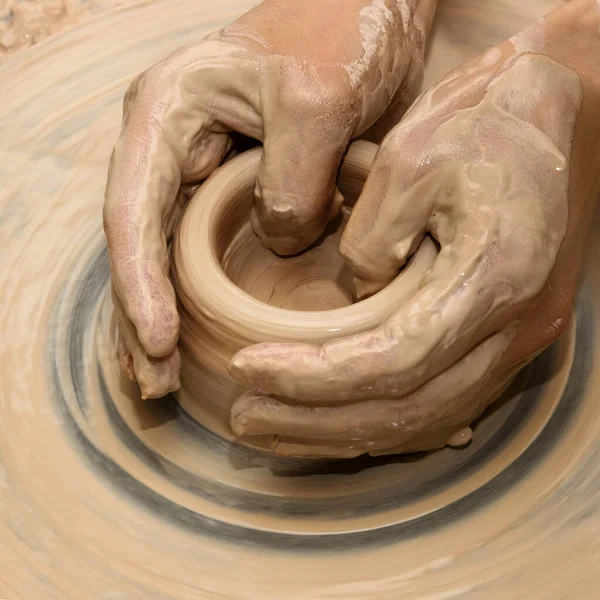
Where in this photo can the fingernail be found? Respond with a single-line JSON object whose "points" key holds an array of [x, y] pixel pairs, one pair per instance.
{"points": [[237, 367], [239, 425], [282, 212]]}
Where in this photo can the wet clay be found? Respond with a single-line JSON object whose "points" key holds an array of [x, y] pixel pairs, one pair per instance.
{"points": [[488, 178], [103, 495], [462, 192], [234, 292], [304, 102], [160, 154]]}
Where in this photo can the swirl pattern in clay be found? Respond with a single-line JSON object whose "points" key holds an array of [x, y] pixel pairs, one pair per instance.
{"points": [[105, 496]]}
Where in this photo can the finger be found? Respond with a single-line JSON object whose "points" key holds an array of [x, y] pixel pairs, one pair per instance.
{"points": [[442, 320], [304, 142], [306, 448], [126, 360], [155, 376], [436, 438], [479, 283], [296, 196], [376, 243], [392, 214], [450, 401], [143, 179], [144, 175]]}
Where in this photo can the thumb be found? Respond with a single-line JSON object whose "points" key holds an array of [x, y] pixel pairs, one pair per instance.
{"points": [[149, 161], [389, 220], [155, 376], [296, 193], [141, 189]]}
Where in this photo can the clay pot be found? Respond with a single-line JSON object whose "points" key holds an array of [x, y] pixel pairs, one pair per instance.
{"points": [[234, 292]]}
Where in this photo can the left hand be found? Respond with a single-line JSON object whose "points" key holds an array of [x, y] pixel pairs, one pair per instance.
{"points": [[265, 77], [481, 162]]}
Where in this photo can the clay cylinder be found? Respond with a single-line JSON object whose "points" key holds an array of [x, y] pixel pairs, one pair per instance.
{"points": [[233, 292]]}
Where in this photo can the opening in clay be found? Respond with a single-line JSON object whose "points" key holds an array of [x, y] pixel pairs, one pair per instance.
{"points": [[317, 279]]}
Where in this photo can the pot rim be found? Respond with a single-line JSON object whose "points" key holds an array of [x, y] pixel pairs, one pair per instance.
{"points": [[207, 292]]}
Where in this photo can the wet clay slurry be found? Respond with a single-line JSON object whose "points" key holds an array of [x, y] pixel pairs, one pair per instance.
{"points": [[105, 496]]}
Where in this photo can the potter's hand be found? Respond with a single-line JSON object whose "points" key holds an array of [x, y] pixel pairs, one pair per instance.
{"points": [[304, 77], [481, 163]]}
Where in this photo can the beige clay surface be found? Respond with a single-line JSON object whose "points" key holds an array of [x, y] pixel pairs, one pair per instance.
{"points": [[105, 496]]}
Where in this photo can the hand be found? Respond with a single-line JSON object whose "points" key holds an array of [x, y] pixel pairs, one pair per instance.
{"points": [[481, 163], [304, 78]]}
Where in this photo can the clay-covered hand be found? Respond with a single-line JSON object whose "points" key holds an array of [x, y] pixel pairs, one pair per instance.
{"points": [[481, 163], [304, 77]]}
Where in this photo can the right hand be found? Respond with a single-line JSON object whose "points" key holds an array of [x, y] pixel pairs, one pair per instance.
{"points": [[302, 77], [481, 162]]}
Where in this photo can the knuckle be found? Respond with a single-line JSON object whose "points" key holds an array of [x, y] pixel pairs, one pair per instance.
{"points": [[205, 156], [541, 75], [364, 264], [364, 269], [138, 90], [330, 101], [288, 209], [145, 94], [337, 97]]}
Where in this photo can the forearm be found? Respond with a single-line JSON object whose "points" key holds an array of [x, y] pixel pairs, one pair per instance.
{"points": [[423, 12], [313, 27]]}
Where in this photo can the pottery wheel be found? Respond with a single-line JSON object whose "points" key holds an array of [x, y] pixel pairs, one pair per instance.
{"points": [[103, 496]]}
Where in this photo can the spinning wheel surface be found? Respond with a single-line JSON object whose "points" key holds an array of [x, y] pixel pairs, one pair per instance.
{"points": [[105, 496]]}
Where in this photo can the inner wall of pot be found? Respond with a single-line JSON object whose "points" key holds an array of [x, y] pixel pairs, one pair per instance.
{"points": [[315, 280]]}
